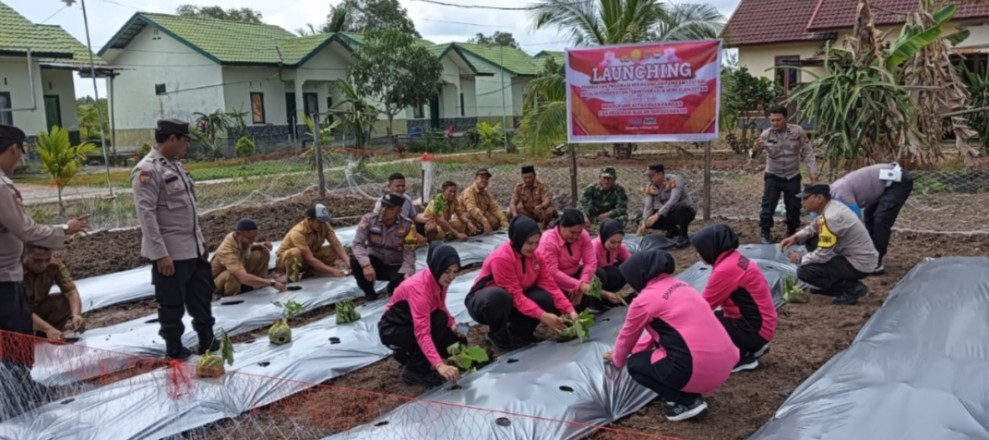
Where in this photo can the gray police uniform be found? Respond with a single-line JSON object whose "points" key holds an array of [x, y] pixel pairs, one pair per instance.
{"points": [[382, 247], [166, 209]]}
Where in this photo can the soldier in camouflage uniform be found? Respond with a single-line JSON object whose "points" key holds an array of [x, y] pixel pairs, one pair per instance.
{"points": [[605, 199]]}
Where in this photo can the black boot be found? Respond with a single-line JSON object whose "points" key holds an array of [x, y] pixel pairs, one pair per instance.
{"points": [[851, 293], [766, 237], [176, 351], [207, 342], [672, 232]]}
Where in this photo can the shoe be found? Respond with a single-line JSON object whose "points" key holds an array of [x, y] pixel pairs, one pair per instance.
{"points": [[880, 270], [179, 354], [500, 340], [766, 238], [682, 411], [214, 347], [747, 362], [761, 352], [682, 242], [428, 379], [369, 298], [851, 296], [672, 232]]}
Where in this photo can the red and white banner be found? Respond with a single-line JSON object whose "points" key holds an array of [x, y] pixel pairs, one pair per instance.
{"points": [[650, 92]]}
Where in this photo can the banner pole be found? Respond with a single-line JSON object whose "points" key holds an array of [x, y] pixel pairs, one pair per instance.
{"points": [[707, 180]]}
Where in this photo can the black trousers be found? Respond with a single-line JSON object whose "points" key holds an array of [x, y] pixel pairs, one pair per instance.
{"points": [[611, 278], [190, 289], [17, 353], [662, 377], [382, 272], [397, 333], [774, 186], [742, 334], [833, 278], [880, 216], [493, 307], [677, 221]]}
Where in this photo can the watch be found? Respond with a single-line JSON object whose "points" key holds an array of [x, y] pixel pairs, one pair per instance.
{"points": [[272, 283]]}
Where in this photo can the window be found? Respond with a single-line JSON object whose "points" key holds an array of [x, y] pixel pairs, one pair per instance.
{"points": [[787, 75], [329, 109], [418, 112], [257, 107], [160, 89], [5, 103], [462, 111]]}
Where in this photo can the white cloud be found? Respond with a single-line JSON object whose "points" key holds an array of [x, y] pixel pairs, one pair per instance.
{"points": [[437, 23]]}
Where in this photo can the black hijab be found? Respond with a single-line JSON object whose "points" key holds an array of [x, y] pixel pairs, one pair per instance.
{"points": [[713, 241], [520, 230], [440, 257], [642, 267]]}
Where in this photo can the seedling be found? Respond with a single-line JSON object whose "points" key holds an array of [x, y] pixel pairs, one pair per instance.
{"points": [[347, 312], [597, 287], [793, 293], [439, 204], [295, 271], [211, 365], [466, 357], [577, 329], [280, 333]]}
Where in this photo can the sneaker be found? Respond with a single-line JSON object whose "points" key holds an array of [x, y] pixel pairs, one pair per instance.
{"points": [[682, 242], [682, 411], [500, 340], [851, 296], [214, 347], [179, 354], [766, 238], [761, 352], [672, 232], [428, 379], [747, 362], [880, 270]]}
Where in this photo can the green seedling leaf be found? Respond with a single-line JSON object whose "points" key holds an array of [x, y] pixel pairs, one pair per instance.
{"points": [[466, 358], [346, 312], [577, 329], [596, 288], [227, 348], [792, 293]]}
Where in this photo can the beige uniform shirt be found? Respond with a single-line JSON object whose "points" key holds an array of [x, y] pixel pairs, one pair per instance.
{"points": [[478, 204], [300, 236], [451, 210], [530, 197], [230, 256], [17, 228], [165, 197], [39, 285]]}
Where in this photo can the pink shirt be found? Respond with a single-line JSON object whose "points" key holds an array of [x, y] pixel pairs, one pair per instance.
{"points": [[738, 286], [508, 272], [671, 303], [562, 260], [424, 296], [606, 258]]}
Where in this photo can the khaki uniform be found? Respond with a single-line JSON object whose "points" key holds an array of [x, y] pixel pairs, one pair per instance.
{"points": [[480, 207], [300, 236], [53, 309], [526, 198], [230, 258], [451, 212]]}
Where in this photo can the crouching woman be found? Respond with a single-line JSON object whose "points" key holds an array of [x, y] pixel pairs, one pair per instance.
{"points": [[514, 292], [416, 324], [611, 253], [684, 352]]}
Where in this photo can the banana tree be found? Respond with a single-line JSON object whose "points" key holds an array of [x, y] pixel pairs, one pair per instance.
{"points": [[544, 118], [356, 113]]}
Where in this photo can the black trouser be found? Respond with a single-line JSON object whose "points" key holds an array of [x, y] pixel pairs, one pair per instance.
{"points": [[834, 277], [742, 334], [662, 377], [190, 289], [774, 185], [880, 216], [676, 221], [16, 352], [493, 307], [611, 278], [397, 333], [382, 272]]}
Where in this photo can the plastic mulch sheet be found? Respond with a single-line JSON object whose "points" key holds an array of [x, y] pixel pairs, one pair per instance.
{"points": [[770, 259], [916, 370]]}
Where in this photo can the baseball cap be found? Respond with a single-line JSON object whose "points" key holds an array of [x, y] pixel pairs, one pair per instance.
{"points": [[815, 189], [319, 212], [482, 171], [609, 172], [655, 168]]}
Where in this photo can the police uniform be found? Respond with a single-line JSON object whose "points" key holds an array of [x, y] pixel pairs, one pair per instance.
{"points": [[595, 201], [301, 236], [382, 247], [230, 258], [165, 197], [16, 229], [527, 198], [53, 309], [671, 200]]}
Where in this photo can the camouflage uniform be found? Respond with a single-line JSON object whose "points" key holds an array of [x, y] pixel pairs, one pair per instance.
{"points": [[596, 201]]}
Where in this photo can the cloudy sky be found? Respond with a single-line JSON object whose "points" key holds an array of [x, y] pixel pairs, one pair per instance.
{"points": [[437, 23]]}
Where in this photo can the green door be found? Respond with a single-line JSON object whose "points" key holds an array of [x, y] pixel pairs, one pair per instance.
{"points": [[53, 111]]}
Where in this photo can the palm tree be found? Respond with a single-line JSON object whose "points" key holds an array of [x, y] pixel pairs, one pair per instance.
{"points": [[544, 119], [604, 22]]}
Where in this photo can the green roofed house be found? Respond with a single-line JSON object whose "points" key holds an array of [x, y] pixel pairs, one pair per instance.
{"points": [[173, 66], [508, 70], [37, 62]]}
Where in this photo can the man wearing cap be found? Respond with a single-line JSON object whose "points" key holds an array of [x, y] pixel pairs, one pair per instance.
{"points": [[876, 193], [843, 254], [482, 209], [786, 145], [303, 251], [165, 198], [380, 251], [605, 199], [52, 313], [531, 198], [446, 218], [667, 205], [240, 264]]}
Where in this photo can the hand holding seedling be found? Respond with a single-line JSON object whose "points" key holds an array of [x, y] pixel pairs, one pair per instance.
{"points": [[553, 322], [449, 372]]}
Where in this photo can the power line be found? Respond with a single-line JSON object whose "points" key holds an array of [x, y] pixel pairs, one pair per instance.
{"points": [[53, 15], [496, 8]]}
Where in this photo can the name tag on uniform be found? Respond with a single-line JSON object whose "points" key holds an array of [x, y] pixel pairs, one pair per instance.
{"points": [[374, 235]]}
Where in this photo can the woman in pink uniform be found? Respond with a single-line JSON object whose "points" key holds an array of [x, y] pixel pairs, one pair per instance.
{"points": [[416, 324], [568, 254], [514, 292], [684, 352], [611, 253], [738, 286]]}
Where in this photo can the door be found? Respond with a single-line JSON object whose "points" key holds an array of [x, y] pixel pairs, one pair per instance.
{"points": [[53, 112], [434, 113], [6, 117], [310, 102], [290, 114]]}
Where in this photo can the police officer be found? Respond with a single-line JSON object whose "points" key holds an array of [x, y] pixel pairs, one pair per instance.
{"points": [[16, 229], [667, 205], [605, 199], [171, 238], [380, 248]]}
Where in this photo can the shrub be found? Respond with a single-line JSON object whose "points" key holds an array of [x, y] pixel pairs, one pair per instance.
{"points": [[245, 147]]}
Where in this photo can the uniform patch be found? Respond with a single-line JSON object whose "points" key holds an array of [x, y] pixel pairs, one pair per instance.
{"points": [[144, 177], [826, 239], [649, 190]]}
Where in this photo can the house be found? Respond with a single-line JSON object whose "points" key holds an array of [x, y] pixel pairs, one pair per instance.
{"points": [[37, 62], [773, 34], [559, 56], [504, 73], [173, 66]]}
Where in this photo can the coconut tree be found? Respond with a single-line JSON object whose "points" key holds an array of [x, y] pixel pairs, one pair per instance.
{"points": [[604, 22], [544, 118]]}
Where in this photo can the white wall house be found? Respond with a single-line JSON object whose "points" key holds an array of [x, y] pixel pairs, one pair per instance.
{"points": [[508, 70]]}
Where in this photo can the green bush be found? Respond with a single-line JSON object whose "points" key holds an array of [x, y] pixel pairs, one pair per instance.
{"points": [[143, 151], [245, 147]]}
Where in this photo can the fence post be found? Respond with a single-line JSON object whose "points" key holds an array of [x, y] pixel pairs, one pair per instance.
{"points": [[573, 175], [707, 180], [428, 177], [319, 154]]}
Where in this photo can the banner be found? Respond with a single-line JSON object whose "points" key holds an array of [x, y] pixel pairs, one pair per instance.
{"points": [[650, 92]]}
